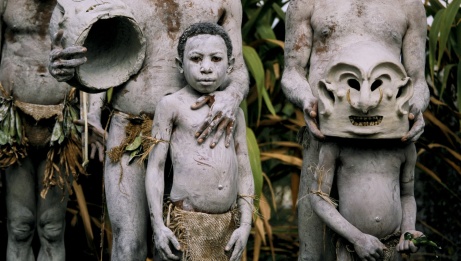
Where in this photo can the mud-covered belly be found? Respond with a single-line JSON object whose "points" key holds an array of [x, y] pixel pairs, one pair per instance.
{"points": [[206, 179], [372, 204], [30, 81]]}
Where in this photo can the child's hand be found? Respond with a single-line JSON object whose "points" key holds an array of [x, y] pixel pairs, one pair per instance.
{"points": [[238, 240], [409, 241], [369, 247], [163, 236]]}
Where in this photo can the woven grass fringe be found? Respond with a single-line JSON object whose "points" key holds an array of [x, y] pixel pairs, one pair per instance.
{"points": [[202, 236], [138, 126]]}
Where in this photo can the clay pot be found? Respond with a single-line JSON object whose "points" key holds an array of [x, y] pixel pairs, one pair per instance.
{"points": [[115, 43]]}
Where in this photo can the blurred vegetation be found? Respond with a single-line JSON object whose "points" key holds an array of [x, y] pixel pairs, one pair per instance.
{"points": [[273, 123]]}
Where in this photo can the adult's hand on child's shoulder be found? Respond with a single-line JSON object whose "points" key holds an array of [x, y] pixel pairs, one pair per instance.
{"points": [[238, 241], [163, 236], [221, 117]]}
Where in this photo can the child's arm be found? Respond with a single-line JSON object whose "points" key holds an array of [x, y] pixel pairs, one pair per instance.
{"points": [[155, 183], [366, 246], [407, 200], [245, 190]]}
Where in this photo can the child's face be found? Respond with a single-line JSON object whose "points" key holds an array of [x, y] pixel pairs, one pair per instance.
{"points": [[205, 62]]}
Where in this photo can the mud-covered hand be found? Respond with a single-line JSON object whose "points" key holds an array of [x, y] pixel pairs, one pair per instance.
{"points": [[417, 127], [96, 137], [221, 117], [369, 248], [64, 61], [310, 116], [238, 241], [163, 238], [407, 242]]}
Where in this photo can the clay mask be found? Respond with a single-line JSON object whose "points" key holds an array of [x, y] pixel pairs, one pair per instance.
{"points": [[365, 94], [116, 45]]}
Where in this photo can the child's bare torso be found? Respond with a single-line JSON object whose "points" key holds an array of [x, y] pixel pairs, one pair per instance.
{"points": [[205, 179], [368, 182]]}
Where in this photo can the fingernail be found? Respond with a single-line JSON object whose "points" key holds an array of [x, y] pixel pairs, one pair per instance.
{"points": [[200, 140], [197, 134], [213, 145]]}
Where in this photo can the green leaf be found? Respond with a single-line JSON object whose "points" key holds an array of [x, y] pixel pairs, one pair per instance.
{"points": [[57, 132], [267, 101], [135, 144], [278, 10], [3, 138], [133, 155], [255, 66], [446, 74], [255, 162], [433, 39], [449, 15]]}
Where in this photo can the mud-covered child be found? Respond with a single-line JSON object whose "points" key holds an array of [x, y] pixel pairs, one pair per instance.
{"points": [[374, 180], [209, 217]]}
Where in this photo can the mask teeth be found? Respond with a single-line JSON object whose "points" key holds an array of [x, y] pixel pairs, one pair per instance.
{"points": [[366, 121]]}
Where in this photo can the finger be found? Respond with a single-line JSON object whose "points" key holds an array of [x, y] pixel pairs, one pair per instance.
{"points": [[204, 135], [314, 129], [415, 132], [236, 253], [313, 111], [203, 126], [57, 39], [93, 150], [200, 102], [68, 64], [219, 132], [411, 116], [68, 53], [229, 133], [167, 254], [231, 242], [174, 241], [101, 152]]}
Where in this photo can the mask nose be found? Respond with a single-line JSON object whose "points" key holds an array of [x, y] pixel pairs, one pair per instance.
{"points": [[367, 98]]}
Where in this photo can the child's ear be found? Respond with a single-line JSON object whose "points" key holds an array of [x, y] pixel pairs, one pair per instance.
{"points": [[179, 65], [230, 64]]}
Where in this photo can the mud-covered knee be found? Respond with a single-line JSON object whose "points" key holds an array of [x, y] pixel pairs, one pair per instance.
{"points": [[51, 226], [21, 228]]}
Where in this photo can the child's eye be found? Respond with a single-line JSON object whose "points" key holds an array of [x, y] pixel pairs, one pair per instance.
{"points": [[216, 59], [196, 59]]}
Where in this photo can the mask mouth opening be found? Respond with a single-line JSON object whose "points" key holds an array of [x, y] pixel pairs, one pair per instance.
{"points": [[116, 50], [366, 121]]}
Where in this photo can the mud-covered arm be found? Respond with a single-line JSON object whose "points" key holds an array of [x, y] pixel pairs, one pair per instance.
{"points": [[413, 56], [298, 45], [366, 246], [155, 182], [407, 199], [239, 238], [63, 61], [226, 101]]}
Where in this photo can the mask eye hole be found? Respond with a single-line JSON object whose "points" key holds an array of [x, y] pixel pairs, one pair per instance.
{"points": [[353, 83], [376, 84]]}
